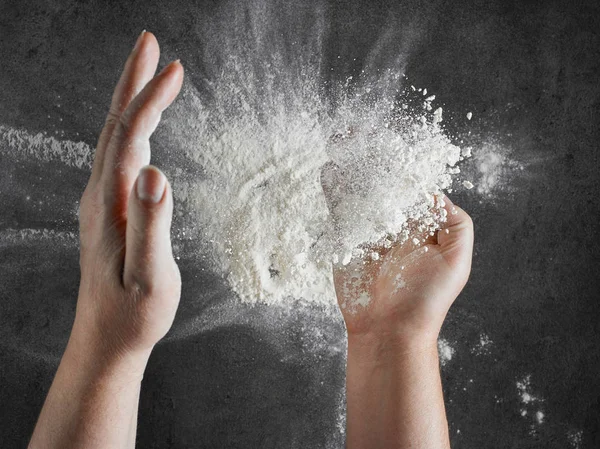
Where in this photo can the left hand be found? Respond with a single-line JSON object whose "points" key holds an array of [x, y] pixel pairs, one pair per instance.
{"points": [[130, 283]]}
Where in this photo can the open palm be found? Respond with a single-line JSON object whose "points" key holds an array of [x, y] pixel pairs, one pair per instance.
{"points": [[409, 289]]}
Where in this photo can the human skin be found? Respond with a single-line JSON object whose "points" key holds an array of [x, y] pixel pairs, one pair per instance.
{"points": [[393, 384], [130, 284]]}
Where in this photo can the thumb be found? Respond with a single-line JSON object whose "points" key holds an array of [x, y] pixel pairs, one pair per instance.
{"points": [[456, 236], [148, 253]]}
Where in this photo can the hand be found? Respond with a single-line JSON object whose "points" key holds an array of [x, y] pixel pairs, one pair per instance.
{"points": [[409, 288], [394, 306], [130, 283]]}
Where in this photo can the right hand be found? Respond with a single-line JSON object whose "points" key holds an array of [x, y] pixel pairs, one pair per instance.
{"points": [[410, 288]]}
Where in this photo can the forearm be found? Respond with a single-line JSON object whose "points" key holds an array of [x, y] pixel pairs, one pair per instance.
{"points": [[92, 402], [394, 396]]}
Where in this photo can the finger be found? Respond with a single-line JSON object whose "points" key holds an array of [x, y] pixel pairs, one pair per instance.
{"points": [[148, 254], [129, 148], [139, 69], [419, 235], [456, 236]]}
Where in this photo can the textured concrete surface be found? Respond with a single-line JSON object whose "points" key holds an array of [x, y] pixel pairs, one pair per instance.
{"points": [[233, 376]]}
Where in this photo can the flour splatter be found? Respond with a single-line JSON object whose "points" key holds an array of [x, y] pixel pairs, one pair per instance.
{"points": [[445, 351], [575, 438], [483, 346], [294, 176], [530, 404], [492, 169], [9, 237], [20, 144]]}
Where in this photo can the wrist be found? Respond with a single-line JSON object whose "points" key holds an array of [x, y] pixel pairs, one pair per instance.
{"points": [[88, 354], [390, 347]]}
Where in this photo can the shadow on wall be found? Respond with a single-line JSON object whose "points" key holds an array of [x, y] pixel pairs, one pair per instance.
{"points": [[227, 388], [223, 386]]}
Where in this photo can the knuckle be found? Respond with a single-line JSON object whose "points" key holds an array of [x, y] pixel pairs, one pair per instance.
{"points": [[129, 131], [154, 288], [112, 118], [131, 121], [89, 198], [139, 121], [124, 128]]}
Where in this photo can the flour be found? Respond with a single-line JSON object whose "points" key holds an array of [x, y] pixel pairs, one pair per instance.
{"points": [[530, 404], [21, 144], [575, 438], [539, 417], [9, 237], [524, 388], [290, 172], [445, 351], [289, 185], [483, 347], [492, 169]]}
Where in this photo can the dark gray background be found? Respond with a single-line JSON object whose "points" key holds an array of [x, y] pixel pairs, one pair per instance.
{"points": [[237, 376]]}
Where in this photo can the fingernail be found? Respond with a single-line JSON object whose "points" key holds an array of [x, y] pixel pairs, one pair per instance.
{"points": [[168, 66], [151, 184], [139, 40]]}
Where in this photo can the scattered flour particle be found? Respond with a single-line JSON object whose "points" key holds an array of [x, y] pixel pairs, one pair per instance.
{"points": [[437, 115], [575, 438], [529, 401], [469, 115], [483, 346], [539, 416], [524, 388], [492, 168], [363, 299], [347, 258], [446, 352], [398, 283], [20, 144], [467, 184]]}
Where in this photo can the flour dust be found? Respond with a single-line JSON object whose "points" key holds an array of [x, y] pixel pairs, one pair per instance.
{"points": [[445, 351], [531, 405], [21, 144], [288, 169], [296, 170]]}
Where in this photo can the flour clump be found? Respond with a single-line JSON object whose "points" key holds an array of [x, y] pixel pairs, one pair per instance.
{"points": [[285, 194], [298, 172]]}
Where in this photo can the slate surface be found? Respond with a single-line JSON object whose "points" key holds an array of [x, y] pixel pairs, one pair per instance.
{"points": [[237, 376]]}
